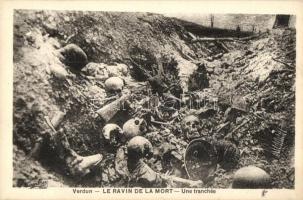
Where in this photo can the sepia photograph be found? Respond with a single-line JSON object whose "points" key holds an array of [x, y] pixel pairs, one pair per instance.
{"points": [[153, 100]]}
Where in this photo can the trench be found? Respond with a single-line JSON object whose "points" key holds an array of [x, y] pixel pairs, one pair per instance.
{"points": [[215, 76]]}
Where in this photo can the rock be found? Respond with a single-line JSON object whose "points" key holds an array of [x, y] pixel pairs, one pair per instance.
{"points": [[51, 29]]}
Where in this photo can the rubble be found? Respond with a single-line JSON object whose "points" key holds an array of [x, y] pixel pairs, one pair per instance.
{"points": [[200, 160], [109, 111]]}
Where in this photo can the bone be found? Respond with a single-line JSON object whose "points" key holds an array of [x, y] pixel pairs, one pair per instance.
{"points": [[108, 111], [187, 182], [114, 84], [134, 127], [57, 119], [112, 134], [190, 126], [80, 166], [139, 147]]}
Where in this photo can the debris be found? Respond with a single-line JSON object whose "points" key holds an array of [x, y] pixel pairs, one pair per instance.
{"points": [[205, 112], [278, 143], [228, 154], [200, 160], [166, 113], [291, 68], [231, 114], [108, 111], [227, 39], [252, 82], [193, 37], [222, 45], [186, 182], [240, 103], [57, 119], [230, 135], [49, 123], [198, 80], [161, 123], [121, 162], [157, 84], [141, 175], [77, 165], [224, 126]]}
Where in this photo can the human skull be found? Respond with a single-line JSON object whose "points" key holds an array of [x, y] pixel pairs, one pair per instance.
{"points": [[191, 126], [134, 127], [117, 69], [112, 134], [114, 85], [139, 147]]}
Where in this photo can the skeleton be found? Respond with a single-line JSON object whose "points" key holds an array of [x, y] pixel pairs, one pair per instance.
{"points": [[112, 134], [114, 85], [141, 175], [191, 127], [134, 127], [78, 165]]}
